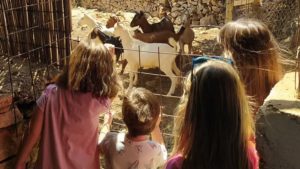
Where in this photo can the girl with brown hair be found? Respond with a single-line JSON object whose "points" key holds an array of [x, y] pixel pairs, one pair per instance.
{"points": [[67, 113], [214, 126], [256, 55]]}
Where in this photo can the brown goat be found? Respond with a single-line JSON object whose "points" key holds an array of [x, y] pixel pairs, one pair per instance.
{"points": [[112, 21], [158, 37], [139, 19], [187, 37]]}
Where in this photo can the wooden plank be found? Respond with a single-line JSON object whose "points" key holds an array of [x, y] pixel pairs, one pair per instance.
{"points": [[53, 17], [247, 2], [11, 117], [60, 28], [242, 2], [10, 140], [9, 164], [68, 25], [8, 115], [5, 102], [45, 34], [229, 11]]}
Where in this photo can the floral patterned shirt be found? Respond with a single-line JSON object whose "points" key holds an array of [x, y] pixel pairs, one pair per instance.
{"points": [[121, 153]]}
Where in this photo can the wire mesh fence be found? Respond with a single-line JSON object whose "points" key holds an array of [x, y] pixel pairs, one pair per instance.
{"points": [[33, 33], [283, 18]]}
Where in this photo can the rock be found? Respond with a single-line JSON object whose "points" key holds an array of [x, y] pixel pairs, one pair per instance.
{"points": [[181, 3], [177, 9], [194, 3], [176, 5], [205, 1], [208, 20], [175, 14], [178, 20], [195, 22], [278, 126], [216, 9], [214, 3], [220, 4], [199, 8], [204, 11]]}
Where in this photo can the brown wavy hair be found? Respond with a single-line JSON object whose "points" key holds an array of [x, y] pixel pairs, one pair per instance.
{"points": [[140, 111], [91, 69], [256, 54], [214, 122]]}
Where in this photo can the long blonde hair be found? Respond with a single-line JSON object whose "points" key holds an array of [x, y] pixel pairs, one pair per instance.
{"points": [[256, 54], [214, 121], [91, 69]]}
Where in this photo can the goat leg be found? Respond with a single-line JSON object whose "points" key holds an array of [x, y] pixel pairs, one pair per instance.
{"points": [[190, 48], [124, 63]]}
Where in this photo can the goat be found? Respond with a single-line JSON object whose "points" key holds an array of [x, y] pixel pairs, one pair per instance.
{"points": [[187, 37], [155, 37], [116, 41], [112, 21], [158, 37], [148, 57], [92, 23], [139, 19]]}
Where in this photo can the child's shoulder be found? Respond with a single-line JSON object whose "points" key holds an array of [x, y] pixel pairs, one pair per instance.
{"points": [[175, 162], [156, 146], [49, 88]]}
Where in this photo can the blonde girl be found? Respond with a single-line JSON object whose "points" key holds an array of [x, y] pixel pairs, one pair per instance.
{"points": [[66, 115], [256, 55], [214, 124]]}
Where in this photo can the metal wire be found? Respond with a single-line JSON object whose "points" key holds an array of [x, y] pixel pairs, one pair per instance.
{"points": [[10, 74]]}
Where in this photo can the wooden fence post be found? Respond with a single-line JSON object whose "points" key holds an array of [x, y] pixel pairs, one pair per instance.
{"points": [[297, 79], [257, 2], [298, 60], [229, 10]]}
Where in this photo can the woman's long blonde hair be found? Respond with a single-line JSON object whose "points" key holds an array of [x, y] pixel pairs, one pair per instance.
{"points": [[91, 69], [256, 54], [214, 123]]}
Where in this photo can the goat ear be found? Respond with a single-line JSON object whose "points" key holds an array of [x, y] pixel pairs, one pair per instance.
{"points": [[117, 25]]}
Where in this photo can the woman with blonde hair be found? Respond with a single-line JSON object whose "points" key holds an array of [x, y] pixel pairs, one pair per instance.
{"points": [[67, 112], [214, 128], [256, 55]]}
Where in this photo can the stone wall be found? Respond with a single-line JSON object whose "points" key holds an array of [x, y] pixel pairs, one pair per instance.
{"points": [[278, 127], [203, 12]]}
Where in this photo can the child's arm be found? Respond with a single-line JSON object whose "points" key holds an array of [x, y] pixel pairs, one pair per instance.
{"points": [[105, 127], [157, 137], [30, 140], [156, 133]]}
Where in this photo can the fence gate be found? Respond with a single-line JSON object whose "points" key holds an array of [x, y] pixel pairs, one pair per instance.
{"points": [[34, 34]]}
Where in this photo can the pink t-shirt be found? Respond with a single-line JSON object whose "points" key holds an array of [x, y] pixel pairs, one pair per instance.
{"points": [[70, 129], [176, 161]]}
